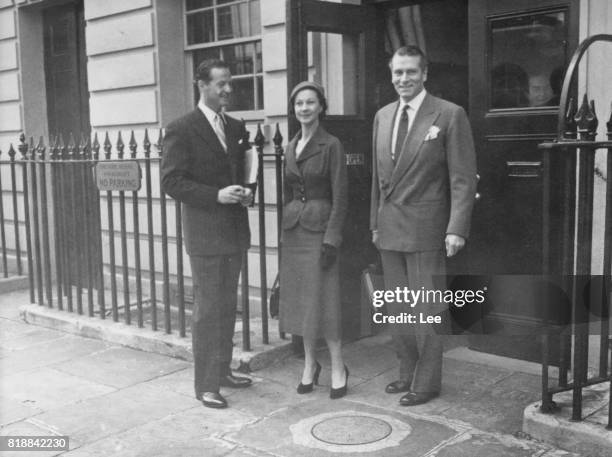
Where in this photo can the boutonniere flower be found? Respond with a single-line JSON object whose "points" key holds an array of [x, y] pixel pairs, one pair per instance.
{"points": [[432, 133]]}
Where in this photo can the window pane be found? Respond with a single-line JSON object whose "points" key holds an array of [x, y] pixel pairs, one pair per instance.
{"points": [[527, 60], [203, 54], [335, 65], [233, 21], [255, 15], [258, 58], [197, 4], [221, 2], [243, 96], [239, 58], [200, 27], [259, 83]]}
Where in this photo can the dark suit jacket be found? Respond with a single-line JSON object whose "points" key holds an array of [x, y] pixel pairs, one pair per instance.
{"points": [[316, 186], [430, 192], [194, 167]]}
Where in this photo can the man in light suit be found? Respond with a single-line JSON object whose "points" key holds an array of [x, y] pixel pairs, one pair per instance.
{"points": [[423, 187], [203, 169]]}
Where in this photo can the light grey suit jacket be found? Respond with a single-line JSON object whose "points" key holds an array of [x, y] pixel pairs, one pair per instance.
{"points": [[430, 191]]}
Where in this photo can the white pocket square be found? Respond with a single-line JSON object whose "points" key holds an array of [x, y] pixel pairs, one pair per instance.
{"points": [[432, 133]]}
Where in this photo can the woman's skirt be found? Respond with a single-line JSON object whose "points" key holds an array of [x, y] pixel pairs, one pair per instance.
{"points": [[309, 296]]}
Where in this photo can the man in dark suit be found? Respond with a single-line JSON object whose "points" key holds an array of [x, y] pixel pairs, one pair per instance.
{"points": [[423, 187], [203, 169]]}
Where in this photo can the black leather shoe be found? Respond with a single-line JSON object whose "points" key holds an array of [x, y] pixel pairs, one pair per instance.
{"points": [[397, 386], [340, 391], [417, 398], [235, 382], [213, 400], [307, 388]]}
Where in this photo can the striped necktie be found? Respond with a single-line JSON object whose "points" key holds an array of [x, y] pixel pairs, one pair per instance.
{"points": [[402, 131], [220, 130]]}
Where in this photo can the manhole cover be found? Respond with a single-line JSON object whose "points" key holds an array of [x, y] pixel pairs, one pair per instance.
{"points": [[355, 430]]}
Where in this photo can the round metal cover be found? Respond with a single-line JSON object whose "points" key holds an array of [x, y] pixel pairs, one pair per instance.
{"points": [[351, 430]]}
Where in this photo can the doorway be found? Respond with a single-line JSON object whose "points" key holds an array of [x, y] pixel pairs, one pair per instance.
{"points": [[66, 70]]}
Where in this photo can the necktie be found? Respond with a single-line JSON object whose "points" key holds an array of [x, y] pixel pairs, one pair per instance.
{"points": [[402, 131], [220, 130]]}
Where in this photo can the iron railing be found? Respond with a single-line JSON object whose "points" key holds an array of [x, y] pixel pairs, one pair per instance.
{"points": [[81, 259], [10, 222], [575, 146]]}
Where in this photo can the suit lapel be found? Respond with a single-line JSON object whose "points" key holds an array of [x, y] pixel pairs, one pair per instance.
{"points": [[203, 128], [425, 117], [312, 147], [385, 130], [290, 156]]}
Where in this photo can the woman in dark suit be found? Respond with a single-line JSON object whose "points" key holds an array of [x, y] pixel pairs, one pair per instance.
{"points": [[315, 203]]}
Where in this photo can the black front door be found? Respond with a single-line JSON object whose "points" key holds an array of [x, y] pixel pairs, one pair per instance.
{"points": [[519, 50], [66, 71]]}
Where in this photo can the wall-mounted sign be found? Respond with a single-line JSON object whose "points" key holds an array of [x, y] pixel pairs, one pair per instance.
{"points": [[121, 175], [355, 159]]}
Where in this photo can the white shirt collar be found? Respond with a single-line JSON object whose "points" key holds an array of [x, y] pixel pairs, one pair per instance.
{"points": [[415, 103], [209, 113]]}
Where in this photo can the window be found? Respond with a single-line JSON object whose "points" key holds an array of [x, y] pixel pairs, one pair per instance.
{"points": [[229, 30], [527, 60]]}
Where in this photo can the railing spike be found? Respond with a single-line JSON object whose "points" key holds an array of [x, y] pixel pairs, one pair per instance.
{"points": [[259, 137], [278, 137], [12, 152], [41, 148], [107, 146], [120, 145], [23, 146], [146, 143], [160, 143], [582, 118], [133, 145], [95, 147], [593, 121]]}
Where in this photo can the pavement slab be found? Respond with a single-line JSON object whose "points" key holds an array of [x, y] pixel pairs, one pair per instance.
{"points": [[193, 432], [180, 381], [10, 302], [10, 329], [48, 388], [121, 367], [99, 417], [266, 397], [29, 337], [52, 352], [15, 410]]}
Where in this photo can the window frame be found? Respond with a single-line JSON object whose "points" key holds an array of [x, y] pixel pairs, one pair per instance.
{"points": [[256, 38]]}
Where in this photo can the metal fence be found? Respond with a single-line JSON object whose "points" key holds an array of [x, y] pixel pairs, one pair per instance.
{"points": [[10, 226], [574, 149], [82, 259]]}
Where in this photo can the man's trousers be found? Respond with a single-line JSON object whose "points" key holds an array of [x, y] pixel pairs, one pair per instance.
{"points": [[215, 289], [418, 348]]}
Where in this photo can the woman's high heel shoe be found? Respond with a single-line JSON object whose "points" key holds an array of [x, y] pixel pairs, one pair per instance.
{"points": [[307, 388], [340, 391]]}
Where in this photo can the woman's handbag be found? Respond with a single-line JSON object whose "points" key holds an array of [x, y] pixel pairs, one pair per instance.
{"points": [[275, 298]]}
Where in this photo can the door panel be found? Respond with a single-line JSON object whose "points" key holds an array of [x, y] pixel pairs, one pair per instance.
{"points": [[518, 53]]}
